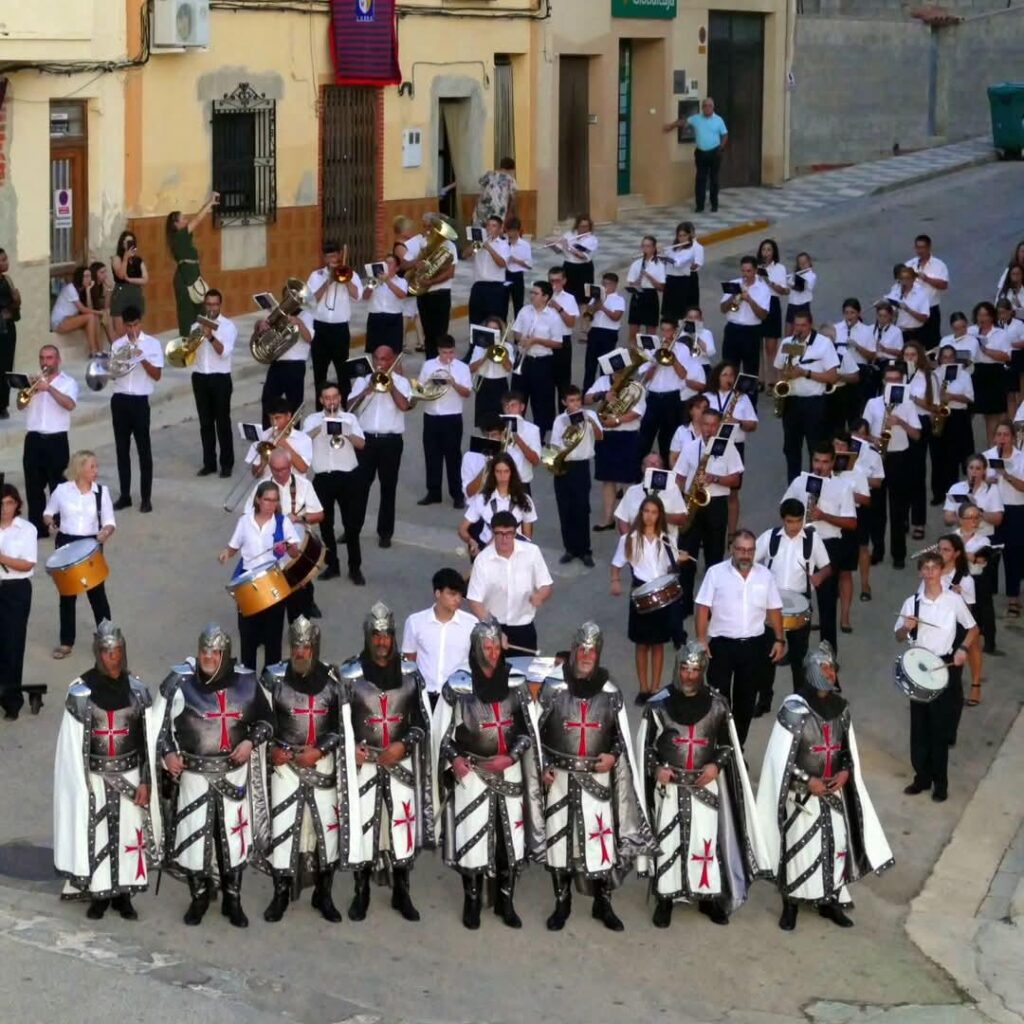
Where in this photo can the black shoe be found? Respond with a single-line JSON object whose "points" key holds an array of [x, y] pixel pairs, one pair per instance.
{"points": [[332, 572], [877, 558], [231, 908], [993, 652], [314, 611], [940, 796], [357, 577], [471, 902], [914, 788], [566, 559], [361, 899], [714, 911], [588, 561], [936, 502], [764, 707], [122, 502], [602, 911], [641, 699], [146, 506], [787, 922], [563, 908], [206, 471], [226, 474], [601, 527], [400, 898], [698, 209], [11, 716], [458, 504], [97, 908], [123, 905], [662, 914], [899, 565], [279, 904], [429, 499], [503, 905], [197, 909], [714, 209], [323, 899], [383, 542], [834, 913]]}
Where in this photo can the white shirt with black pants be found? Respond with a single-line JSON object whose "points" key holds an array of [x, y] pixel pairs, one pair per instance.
{"points": [[442, 430], [572, 488], [211, 388], [331, 338], [46, 453], [129, 411], [489, 295], [18, 541], [286, 375]]}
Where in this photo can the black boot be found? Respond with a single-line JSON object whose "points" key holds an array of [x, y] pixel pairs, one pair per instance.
{"points": [[97, 908], [602, 908], [503, 905], [322, 898], [200, 893], [123, 905], [361, 900], [279, 904], [714, 910], [231, 899], [787, 922], [834, 913], [563, 901], [400, 898], [662, 913], [471, 901]]}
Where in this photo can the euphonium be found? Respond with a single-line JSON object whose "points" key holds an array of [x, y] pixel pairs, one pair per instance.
{"points": [[628, 392], [25, 395], [280, 333], [554, 459], [181, 352], [433, 259]]}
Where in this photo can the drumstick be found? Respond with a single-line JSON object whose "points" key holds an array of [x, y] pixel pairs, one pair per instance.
{"points": [[525, 650], [920, 622]]}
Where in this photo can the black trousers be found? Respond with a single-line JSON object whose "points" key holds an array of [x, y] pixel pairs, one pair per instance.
{"points": [[828, 593], [330, 347], [15, 605], [130, 415], [338, 489], [262, 630], [741, 344], [487, 299], [797, 642], [284, 377], [442, 452], [600, 341], [435, 309], [803, 423], [521, 636], [488, 398], [8, 343], [737, 669], [536, 381], [708, 530], [931, 727], [381, 457], [383, 329], [561, 365], [660, 420], [949, 450], [299, 602], [708, 161], [44, 459], [516, 292], [895, 495], [1011, 533], [97, 599], [572, 495], [212, 392], [985, 586], [930, 332], [918, 463]]}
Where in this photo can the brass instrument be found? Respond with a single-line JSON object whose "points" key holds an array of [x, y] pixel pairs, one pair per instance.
{"points": [[782, 388], [280, 333], [809, 506], [831, 389], [380, 384], [697, 494], [263, 449], [434, 258], [730, 406], [342, 273], [664, 356], [432, 389], [123, 359], [336, 441], [181, 352], [25, 395], [940, 415], [628, 392], [885, 438], [499, 353], [508, 438], [554, 459]]}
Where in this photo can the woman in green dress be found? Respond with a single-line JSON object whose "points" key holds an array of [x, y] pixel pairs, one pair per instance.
{"points": [[180, 229]]}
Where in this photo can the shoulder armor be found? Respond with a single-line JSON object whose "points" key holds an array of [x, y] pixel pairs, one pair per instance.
{"points": [[141, 691], [792, 713], [460, 681], [79, 690], [242, 671], [273, 674], [516, 678], [409, 668], [351, 669], [174, 679], [615, 693], [718, 699], [77, 702]]}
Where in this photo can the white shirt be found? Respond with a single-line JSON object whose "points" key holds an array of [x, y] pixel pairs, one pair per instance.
{"points": [[986, 497], [584, 451], [335, 305], [806, 296], [569, 305], [299, 352], [684, 435], [306, 499], [788, 567], [530, 433], [379, 414], [916, 299], [933, 268], [1015, 464], [521, 251], [859, 334], [484, 266], [472, 464], [684, 262], [440, 647], [819, 357], [963, 385], [66, 305], [136, 381], [44, 415], [19, 540], [745, 316], [504, 586], [1014, 331], [972, 545], [891, 338], [327, 459], [917, 385], [207, 359], [738, 604], [256, 543], [777, 275], [587, 241], [655, 268], [538, 323], [297, 439], [614, 303], [995, 339], [967, 589], [489, 369], [482, 508], [836, 499], [451, 404], [869, 462], [78, 511], [601, 387], [665, 380], [965, 345], [704, 347], [650, 559], [671, 499], [874, 413], [384, 300], [723, 465], [412, 251], [944, 613]]}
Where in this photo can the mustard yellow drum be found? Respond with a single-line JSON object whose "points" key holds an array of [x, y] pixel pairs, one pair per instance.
{"points": [[77, 567], [796, 610], [259, 589]]}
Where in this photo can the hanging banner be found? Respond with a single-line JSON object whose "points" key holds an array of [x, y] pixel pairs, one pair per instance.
{"points": [[643, 8], [364, 42]]}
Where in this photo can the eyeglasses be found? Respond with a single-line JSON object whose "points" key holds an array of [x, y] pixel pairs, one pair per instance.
{"points": [[504, 533]]}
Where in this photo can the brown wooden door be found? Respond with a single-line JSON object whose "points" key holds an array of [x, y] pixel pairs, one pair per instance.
{"points": [[68, 244], [573, 150], [349, 181], [736, 82]]}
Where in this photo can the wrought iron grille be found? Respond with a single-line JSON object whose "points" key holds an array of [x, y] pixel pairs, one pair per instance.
{"points": [[244, 125]]}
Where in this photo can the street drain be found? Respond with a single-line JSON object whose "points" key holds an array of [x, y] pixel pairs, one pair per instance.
{"points": [[26, 862]]}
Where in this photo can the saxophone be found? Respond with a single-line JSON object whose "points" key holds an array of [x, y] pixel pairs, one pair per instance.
{"points": [[782, 388], [697, 494], [941, 414]]}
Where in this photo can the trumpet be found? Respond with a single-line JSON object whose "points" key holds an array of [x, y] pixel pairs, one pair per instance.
{"points": [[380, 384], [885, 438], [25, 395], [342, 273], [263, 449]]}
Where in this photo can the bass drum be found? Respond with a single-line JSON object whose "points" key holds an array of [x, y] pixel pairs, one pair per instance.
{"points": [[656, 594], [308, 563], [77, 567], [259, 589], [920, 674], [796, 610]]}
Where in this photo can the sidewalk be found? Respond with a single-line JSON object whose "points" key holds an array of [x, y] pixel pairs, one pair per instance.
{"points": [[741, 211]]}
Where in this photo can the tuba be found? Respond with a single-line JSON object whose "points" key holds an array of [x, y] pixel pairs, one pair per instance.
{"points": [[554, 459], [628, 392], [279, 333], [434, 258]]}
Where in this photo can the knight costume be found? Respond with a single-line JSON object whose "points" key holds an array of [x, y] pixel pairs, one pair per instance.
{"points": [[595, 822], [698, 796], [105, 834], [487, 769], [206, 714], [818, 844], [393, 817]]}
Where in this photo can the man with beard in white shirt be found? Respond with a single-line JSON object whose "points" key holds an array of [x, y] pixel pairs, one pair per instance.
{"points": [[933, 276]]}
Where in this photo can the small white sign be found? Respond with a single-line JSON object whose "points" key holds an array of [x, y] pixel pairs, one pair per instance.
{"points": [[62, 216]]}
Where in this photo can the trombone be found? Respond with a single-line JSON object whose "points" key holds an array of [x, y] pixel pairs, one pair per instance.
{"points": [[380, 384], [264, 449]]}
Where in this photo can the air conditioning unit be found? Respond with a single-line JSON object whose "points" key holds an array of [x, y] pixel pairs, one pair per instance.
{"points": [[180, 23]]}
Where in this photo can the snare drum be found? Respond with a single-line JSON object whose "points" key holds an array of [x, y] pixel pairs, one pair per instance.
{"points": [[796, 610], [656, 594], [259, 589], [920, 674], [306, 565], [77, 567]]}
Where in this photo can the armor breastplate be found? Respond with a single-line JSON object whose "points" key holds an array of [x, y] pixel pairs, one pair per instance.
{"points": [[690, 747], [214, 722], [382, 717], [820, 751], [487, 729], [116, 735], [303, 719], [580, 727]]}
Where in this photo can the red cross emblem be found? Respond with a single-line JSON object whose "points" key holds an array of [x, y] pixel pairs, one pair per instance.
{"points": [[519, 823], [110, 732], [385, 721], [335, 826], [705, 860], [223, 714], [239, 830], [602, 830], [407, 821], [138, 849], [312, 712], [583, 725], [499, 725], [841, 864], [827, 748], [689, 741]]}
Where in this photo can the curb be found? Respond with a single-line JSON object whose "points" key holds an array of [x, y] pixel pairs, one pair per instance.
{"points": [[938, 172]]}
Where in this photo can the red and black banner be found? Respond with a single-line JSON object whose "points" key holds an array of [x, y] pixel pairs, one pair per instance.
{"points": [[364, 42]]}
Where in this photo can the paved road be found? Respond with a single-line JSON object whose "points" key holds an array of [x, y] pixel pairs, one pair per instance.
{"points": [[166, 584]]}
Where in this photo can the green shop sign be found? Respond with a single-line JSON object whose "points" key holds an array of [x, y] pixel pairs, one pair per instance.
{"points": [[643, 8]]}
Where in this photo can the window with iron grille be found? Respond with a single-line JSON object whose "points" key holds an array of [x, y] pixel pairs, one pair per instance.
{"points": [[244, 131]]}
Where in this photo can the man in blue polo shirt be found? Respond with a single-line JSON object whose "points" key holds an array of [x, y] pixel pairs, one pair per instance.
{"points": [[710, 137]]}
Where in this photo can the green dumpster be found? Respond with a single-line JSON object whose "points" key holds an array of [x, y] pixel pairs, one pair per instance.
{"points": [[1006, 102]]}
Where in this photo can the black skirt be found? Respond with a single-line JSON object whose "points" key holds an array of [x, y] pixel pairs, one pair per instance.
{"points": [[651, 628], [681, 293], [617, 457], [576, 276], [990, 381], [792, 308], [643, 307], [384, 329], [771, 326]]}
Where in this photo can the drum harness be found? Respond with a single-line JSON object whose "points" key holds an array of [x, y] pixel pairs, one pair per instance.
{"points": [[671, 553], [960, 632], [773, 549], [278, 537]]}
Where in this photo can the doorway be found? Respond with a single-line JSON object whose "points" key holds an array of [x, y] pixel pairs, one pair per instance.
{"points": [[573, 138], [453, 140], [736, 82], [624, 140], [69, 156]]}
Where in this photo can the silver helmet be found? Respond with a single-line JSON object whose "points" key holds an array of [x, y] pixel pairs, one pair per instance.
{"points": [[214, 639], [820, 667], [487, 629], [379, 619], [109, 637], [691, 656], [587, 637], [302, 633]]}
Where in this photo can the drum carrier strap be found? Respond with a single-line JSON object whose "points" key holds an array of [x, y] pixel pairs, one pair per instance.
{"points": [[99, 507], [773, 549]]}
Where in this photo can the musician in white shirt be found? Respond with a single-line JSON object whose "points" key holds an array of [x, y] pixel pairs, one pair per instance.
{"points": [[1013, 330], [538, 334], [703, 340], [526, 439], [578, 248], [887, 336], [745, 310], [910, 301], [332, 297], [772, 271], [564, 308], [489, 294], [47, 421], [859, 341], [801, 288], [1009, 479], [670, 495], [933, 276], [689, 430], [605, 316], [296, 442], [683, 261], [435, 303], [646, 282], [212, 387], [520, 260], [953, 441], [975, 490], [387, 295], [572, 488], [286, 375], [491, 375], [442, 423], [19, 552], [991, 379]]}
